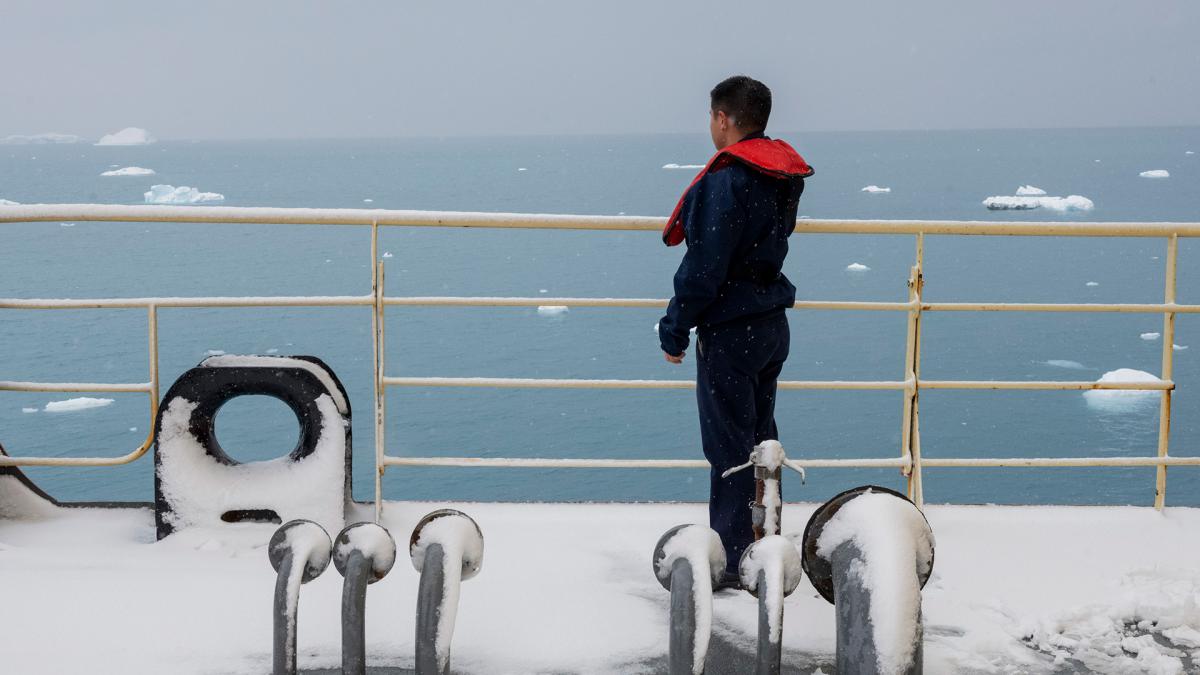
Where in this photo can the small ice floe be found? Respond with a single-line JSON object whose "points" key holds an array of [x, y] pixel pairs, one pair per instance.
{"points": [[522, 169], [1155, 173], [1063, 363], [1188, 152], [857, 267], [127, 136], [73, 404], [129, 171], [169, 194], [273, 350], [552, 310], [1150, 336], [387, 254], [1178, 348], [133, 428], [1092, 283], [875, 189], [368, 201], [66, 224], [1122, 400], [543, 290], [1030, 191], [1061, 204], [8, 202], [215, 352], [29, 410], [683, 166]]}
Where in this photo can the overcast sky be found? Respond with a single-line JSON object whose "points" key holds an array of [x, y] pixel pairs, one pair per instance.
{"points": [[276, 69]]}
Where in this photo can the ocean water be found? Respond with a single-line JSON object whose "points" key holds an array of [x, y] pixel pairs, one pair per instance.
{"points": [[932, 175]]}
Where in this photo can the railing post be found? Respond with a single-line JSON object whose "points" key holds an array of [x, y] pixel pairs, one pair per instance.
{"points": [[1168, 360], [910, 448]]}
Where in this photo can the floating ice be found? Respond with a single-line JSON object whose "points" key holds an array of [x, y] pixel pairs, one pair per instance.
{"points": [[1188, 152], [1030, 191], [857, 267], [368, 201], [66, 224], [73, 404], [169, 194], [127, 136], [129, 171], [1122, 400], [29, 410], [272, 350], [522, 169], [1150, 336], [40, 139], [546, 290], [1068, 203], [8, 202], [387, 254], [875, 189], [1155, 173], [552, 310], [133, 428], [1178, 348], [1063, 363], [1092, 283], [683, 166]]}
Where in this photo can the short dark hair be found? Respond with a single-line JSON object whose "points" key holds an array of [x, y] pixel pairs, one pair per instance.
{"points": [[745, 99]]}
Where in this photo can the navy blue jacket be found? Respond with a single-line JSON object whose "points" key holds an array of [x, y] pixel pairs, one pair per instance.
{"points": [[737, 220]]}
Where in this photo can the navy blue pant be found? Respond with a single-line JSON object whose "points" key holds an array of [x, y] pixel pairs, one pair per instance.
{"points": [[737, 367]]}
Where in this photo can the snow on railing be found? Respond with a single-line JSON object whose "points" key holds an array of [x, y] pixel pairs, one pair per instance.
{"points": [[910, 461]]}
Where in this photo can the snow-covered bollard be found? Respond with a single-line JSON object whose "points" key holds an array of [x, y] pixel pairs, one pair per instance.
{"points": [[770, 570], [363, 553], [299, 551], [446, 548], [869, 551], [688, 560]]}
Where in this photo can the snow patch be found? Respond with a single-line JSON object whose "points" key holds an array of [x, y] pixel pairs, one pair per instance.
{"points": [[875, 189], [127, 136], [1030, 191], [1155, 173], [169, 194], [129, 171], [552, 310], [74, 404]]}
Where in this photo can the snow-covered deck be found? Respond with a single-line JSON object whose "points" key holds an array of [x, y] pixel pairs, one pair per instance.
{"points": [[568, 588]]}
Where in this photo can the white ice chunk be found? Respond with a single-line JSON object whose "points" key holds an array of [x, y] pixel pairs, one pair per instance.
{"points": [[1122, 400], [552, 310], [129, 171], [169, 194], [387, 254], [1184, 636], [47, 138], [857, 267], [875, 189], [1155, 173], [368, 201], [1150, 336], [683, 166], [1189, 152], [522, 169], [1030, 191], [80, 403], [1092, 283], [127, 136], [66, 224], [8, 202], [1178, 348], [1068, 203], [29, 410], [1063, 363]]}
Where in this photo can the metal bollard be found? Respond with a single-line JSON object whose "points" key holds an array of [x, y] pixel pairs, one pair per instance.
{"points": [[869, 551], [688, 561], [770, 570], [446, 547], [363, 553], [299, 551]]}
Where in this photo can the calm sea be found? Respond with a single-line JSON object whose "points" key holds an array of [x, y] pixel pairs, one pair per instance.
{"points": [[932, 175]]}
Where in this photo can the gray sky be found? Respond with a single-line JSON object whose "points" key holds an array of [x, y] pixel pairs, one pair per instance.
{"points": [[272, 69]]}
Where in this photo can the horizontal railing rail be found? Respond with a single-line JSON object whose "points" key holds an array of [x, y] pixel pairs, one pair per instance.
{"points": [[910, 461]]}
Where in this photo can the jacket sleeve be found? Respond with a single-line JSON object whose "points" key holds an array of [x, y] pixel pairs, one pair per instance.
{"points": [[709, 221]]}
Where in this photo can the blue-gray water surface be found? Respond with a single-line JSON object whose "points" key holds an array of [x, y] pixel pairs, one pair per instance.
{"points": [[932, 175]]}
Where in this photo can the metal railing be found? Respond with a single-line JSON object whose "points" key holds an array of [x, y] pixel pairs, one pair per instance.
{"points": [[909, 461]]}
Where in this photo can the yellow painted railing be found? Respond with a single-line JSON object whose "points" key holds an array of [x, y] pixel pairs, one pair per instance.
{"points": [[909, 460]]}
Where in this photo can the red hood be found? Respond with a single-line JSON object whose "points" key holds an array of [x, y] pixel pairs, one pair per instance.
{"points": [[770, 156]]}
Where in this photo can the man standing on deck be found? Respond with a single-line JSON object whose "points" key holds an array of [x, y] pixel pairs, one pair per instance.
{"points": [[735, 217]]}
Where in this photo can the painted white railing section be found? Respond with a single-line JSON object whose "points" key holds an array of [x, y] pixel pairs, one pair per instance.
{"points": [[909, 459]]}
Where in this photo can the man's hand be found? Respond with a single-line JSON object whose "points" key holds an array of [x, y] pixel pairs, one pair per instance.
{"points": [[675, 359]]}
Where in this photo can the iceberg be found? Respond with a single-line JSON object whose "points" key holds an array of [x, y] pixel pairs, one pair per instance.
{"points": [[169, 194], [875, 189], [73, 404], [8, 202], [127, 136], [683, 166], [1122, 400], [47, 138], [1030, 191], [129, 171], [1155, 173], [552, 310], [1061, 204], [857, 267]]}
